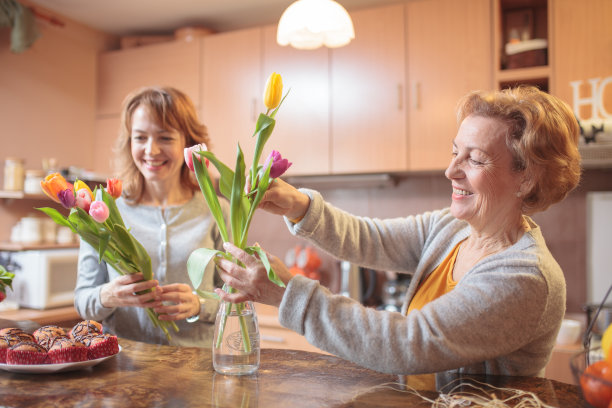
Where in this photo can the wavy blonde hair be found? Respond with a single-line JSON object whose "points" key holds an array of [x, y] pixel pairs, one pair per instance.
{"points": [[542, 135], [172, 109]]}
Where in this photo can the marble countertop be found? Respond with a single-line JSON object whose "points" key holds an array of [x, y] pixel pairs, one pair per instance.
{"points": [[145, 375]]}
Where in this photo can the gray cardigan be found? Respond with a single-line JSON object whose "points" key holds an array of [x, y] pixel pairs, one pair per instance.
{"points": [[502, 317], [169, 235]]}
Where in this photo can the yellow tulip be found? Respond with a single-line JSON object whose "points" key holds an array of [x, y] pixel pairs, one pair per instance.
{"points": [[274, 91], [78, 185]]}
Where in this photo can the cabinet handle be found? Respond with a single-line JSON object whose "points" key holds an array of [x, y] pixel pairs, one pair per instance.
{"points": [[417, 96], [400, 97]]}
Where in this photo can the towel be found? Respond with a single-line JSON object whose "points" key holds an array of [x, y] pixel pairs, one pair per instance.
{"points": [[24, 31]]}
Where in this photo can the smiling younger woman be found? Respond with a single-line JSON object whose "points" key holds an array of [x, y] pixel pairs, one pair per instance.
{"points": [[163, 213]]}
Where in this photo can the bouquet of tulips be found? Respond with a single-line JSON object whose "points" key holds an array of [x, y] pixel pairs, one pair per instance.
{"points": [[6, 281], [243, 202], [94, 216]]}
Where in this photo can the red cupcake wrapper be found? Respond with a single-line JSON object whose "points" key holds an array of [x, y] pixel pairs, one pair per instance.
{"points": [[3, 356], [25, 357], [108, 347], [68, 355]]}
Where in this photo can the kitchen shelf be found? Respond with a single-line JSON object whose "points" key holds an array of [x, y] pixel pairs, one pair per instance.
{"points": [[522, 74], [20, 195]]}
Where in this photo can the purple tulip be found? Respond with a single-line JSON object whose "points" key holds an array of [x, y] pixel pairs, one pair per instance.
{"points": [[67, 198], [279, 165], [98, 211]]}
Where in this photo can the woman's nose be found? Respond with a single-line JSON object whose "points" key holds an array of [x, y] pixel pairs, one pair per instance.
{"points": [[151, 146], [452, 171]]}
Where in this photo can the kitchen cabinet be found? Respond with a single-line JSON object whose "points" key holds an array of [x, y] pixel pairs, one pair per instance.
{"points": [[174, 63], [448, 54], [368, 121], [302, 133], [232, 89], [106, 131], [582, 53]]}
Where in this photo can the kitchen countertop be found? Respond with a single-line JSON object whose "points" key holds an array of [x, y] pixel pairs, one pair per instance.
{"points": [[146, 375]]}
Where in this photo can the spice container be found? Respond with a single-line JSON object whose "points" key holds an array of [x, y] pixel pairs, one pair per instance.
{"points": [[13, 174], [32, 181]]}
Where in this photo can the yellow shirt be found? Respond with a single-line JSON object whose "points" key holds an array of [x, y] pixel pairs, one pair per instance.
{"points": [[438, 283]]}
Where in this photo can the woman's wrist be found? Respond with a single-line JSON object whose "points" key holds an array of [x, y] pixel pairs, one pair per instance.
{"points": [[299, 210], [196, 316]]}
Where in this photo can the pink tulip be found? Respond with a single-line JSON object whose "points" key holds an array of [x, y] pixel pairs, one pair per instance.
{"points": [[98, 211], [83, 199], [188, 154], [66, 198], [279, 165]]}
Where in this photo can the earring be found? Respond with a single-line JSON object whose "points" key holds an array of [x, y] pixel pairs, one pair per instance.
{"points": [[519, 194]]}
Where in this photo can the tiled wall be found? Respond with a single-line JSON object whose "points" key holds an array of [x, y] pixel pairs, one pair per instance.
{"points": [[563, 225]]}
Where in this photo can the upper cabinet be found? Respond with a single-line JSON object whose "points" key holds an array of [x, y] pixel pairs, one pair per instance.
{"points": [[301, 133], [368, 120], [120, 72], [582, 57], [448, 54], [232, 90]]}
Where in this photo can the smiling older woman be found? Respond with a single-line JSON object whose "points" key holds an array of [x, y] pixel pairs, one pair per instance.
{"points": [[486, 296]]}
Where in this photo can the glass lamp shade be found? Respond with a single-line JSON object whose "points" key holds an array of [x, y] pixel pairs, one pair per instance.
{"points": [[309, 24]]}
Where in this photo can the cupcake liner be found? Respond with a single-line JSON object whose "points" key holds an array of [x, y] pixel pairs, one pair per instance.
{"points": [[107, 347], [3, 356], [25, 357], [68, 355]]}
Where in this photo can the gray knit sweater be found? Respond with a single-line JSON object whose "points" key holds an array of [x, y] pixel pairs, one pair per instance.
{"points": [[502, 317], [169, 235]]}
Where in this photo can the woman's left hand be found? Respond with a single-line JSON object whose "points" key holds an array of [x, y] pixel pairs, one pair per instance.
{"points": [[252, 281], [179, 302]]}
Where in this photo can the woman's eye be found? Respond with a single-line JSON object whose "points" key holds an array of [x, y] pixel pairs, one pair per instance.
{"points": [[476, 162]]}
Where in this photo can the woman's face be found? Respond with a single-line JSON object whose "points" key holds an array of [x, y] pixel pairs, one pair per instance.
{"points": [[484, 185], [157, 152]]}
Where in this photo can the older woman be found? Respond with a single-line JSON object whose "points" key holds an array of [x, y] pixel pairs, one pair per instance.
{"points": [[163, 213], [486, 296]]}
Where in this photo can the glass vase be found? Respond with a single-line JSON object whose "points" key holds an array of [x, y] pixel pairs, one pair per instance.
{"points": [[236, 340]]}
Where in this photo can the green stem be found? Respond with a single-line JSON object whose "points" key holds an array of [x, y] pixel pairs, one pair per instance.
{"points": [[246, 339]]}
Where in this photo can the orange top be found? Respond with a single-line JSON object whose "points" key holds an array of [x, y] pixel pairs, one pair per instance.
{"points": [[438, 283]]}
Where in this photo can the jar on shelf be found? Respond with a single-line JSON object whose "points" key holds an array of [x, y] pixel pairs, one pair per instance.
{"points": [[13, 174], [32, 181]]}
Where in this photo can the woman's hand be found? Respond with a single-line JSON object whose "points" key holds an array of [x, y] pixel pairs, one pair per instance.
{"points": [[251, 281], [284, 199], [179, 302], [123, 291]]}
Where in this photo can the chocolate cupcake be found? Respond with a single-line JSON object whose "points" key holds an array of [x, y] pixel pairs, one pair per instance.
{"points": [[15, 338], [65, 350], [4, 346], [44, 335], [27, 352], [86, 327]]}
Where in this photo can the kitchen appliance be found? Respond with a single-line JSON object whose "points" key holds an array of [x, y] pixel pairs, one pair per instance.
{"points": [[43, 278], [354, 284]]}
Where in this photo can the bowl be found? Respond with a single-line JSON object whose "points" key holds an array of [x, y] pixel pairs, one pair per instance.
{"points": [[569, 333], [578, 363]]}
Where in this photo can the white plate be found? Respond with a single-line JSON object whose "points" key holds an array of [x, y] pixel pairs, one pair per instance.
{"points": [[53, 368]]}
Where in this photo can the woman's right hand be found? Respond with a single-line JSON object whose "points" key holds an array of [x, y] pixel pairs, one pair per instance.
{"points": [[284, 199], [122, 291]]}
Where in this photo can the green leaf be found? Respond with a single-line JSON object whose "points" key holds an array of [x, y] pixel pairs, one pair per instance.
{"points": [[264, 182], [105, 237], [210, 196], [57, 217], [113, 212], [237, 213], [263, 130], [264, 259], [197, 263], [207, 295], [227, 174]]}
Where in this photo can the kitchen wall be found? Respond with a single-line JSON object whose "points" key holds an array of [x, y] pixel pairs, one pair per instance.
{"points": [[47, 101]]}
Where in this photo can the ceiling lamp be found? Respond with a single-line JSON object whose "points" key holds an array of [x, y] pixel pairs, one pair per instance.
{"points": [[309, 24]]}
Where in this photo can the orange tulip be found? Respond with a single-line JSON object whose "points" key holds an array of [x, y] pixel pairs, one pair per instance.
{"points": [[114, 187], [53, 184]]}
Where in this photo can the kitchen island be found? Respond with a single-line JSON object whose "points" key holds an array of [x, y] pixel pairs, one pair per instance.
{"points": [[145, 375]]}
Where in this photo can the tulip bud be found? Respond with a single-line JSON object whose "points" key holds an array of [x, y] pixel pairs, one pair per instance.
{"points": [[83, 199], [53, 184], [99, 211], [114, 187], [279, 165], [274, 91], [193, 149], [66, 198], [80, 185]]}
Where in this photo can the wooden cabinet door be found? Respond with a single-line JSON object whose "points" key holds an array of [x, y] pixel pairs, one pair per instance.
{"points": [[107, 131], [174, 63], [449, 54], [368, 122], [301, 133], [582, 53], [232, 89]]}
